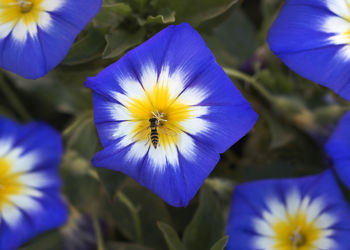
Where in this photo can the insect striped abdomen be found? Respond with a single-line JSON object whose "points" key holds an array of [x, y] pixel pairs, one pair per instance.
{"points": [[154, 137]]}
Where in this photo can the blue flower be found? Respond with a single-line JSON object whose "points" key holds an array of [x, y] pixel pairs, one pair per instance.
{"points": [[35, 35], [338, 148], [303, 213], [313, 38], [165, 111], [30, 202], [78, 233]]}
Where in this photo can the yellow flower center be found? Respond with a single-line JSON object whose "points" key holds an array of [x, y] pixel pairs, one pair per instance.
{"points": [[9, 182], [11, 11], [296, 233], [25, 5], [169, 112]]}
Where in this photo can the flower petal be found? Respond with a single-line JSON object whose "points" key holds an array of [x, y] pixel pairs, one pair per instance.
{"points": [[257, 206], [338, 148], [32, 153], [33, 49], [174, 182], [23, 58], [312, 39]]}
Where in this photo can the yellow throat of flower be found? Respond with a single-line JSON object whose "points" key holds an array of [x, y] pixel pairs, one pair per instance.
{"points": [[15, 10], [169, 112], [9, 182], [296, 233], [25, 5]]}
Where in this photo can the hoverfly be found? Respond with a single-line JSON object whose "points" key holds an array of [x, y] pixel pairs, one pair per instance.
{"points": [[156, 127]]}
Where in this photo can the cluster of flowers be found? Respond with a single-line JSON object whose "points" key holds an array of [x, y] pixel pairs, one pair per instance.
{"points": [[164, 112]]}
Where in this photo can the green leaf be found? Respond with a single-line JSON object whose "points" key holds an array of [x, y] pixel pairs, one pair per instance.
{"points": [[122, 9], [196, 11], [51, 240], [207, 225], [125, 246], [138, 5], [150, 208], [111, 180], [222, 186], [81, 135], [281, 134], [171, 237], [59, 90], [329, 114], [165, 16], [89, 47], [109, 18], [237, 35], [81, 185], [220, 244], [120, 41]]}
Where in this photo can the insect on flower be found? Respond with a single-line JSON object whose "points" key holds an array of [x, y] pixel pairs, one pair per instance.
{"points": [[165, 111], [35, 35], [156, 126]]}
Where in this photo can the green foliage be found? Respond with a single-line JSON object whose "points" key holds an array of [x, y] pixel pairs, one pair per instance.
{"points": [[295, 118], [220, 244], [171, 237], [207, 226]]}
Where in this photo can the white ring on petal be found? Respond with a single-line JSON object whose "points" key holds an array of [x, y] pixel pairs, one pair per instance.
{"points": [[52, 5], [339, 7], [25, 202], [193, 96], [19, 33], [11, 215], [44, 21], [6, 28]]}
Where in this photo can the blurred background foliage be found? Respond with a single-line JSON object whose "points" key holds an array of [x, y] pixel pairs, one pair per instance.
{"points": [[110, 210]]}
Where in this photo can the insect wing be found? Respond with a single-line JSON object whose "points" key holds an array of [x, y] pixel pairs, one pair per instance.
{"points": [[167, 131], [140, 135]]}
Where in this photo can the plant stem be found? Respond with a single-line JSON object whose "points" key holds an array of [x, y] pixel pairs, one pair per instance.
{"points": [[97, 228], [14, 100], [253, 82], [135, 215]]}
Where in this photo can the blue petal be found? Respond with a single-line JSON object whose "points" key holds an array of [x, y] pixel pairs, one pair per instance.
{"points": [[326, 66], [25, 59], [79, 12], [296, 37], [228, 124], [176, 47], [298, 28], [105, 123], [53, 49], [38, 138], [229, 113], [39, 54], [338, 147], [8, 129], [34, 137], [316, 4], [53, 213], [249, 201], [67, 22], [174, 184]]}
